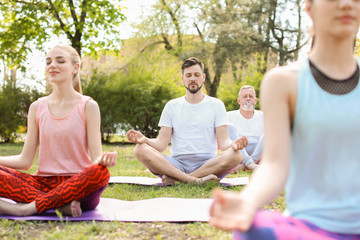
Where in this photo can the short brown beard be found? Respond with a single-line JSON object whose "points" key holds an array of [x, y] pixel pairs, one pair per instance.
{"points": [[194, 90]]}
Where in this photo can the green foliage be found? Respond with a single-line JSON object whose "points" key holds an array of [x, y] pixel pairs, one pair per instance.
{"points": [[144, 96], [11, 116], [228, 93], [14, 105], [357, 47], [91, 24], [19, 25], [227, 35], [100, 90], [134, 98]]}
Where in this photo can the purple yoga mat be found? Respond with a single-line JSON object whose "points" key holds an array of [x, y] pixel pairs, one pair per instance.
{"points": [[150, 210], [157, 181]]}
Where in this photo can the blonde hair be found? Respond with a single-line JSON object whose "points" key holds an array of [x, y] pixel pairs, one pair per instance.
{"points": [[75, 59], [247, 87]]}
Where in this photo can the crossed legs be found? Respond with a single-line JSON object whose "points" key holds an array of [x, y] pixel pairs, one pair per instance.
{"points": [[38, 194], [26, 209], [211, 170], [251, 153]]}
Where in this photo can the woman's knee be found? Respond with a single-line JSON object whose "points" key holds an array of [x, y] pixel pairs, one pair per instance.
{"points": [[98, 172]]}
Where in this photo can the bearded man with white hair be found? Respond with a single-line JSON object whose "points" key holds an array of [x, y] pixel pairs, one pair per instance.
{"points": [[249, 122]]}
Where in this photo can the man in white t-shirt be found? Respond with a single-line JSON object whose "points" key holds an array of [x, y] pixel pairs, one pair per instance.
{"points": [[193, 123], [250, 123]]}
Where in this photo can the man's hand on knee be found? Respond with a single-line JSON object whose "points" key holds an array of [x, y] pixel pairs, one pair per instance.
{"points": [[239, 143]]}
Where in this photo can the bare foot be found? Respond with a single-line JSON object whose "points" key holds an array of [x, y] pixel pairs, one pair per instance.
{"points": [[210, 177], [72, 209], [9, 207], [252, 166], [239, 168], [167, 181]]}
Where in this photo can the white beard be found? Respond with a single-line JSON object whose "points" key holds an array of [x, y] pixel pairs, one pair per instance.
{"points": [[248, 106]]}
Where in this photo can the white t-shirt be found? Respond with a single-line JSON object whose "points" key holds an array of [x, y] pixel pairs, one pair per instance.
{"points": [[252, 128], [193, 125]]}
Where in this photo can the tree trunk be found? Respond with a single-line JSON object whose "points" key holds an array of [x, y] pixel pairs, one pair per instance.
{"points": [[298, 39], [6, 75], [13, 77], [76, 42], [214, 85]]}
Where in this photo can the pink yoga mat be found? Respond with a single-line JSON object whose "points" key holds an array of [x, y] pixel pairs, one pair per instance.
{"points": [[157, 181], [150, 210]]}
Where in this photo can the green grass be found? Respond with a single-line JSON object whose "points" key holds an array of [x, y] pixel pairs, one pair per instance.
{"points": [[127, 166]]}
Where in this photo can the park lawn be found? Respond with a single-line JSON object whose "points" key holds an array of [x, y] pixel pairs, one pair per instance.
{"points": [[127, 166]]}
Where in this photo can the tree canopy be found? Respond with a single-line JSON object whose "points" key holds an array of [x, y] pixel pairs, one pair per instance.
{"points": [[227, 34], [89, 25]]}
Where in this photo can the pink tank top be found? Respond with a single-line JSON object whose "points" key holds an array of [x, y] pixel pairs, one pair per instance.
{"points": [[63, 141]]}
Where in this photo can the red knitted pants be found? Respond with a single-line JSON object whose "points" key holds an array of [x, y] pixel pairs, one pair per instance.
{"points": [[54, 191]]}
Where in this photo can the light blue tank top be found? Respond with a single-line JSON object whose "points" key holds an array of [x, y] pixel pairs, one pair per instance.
{"points": [[324, 181]]}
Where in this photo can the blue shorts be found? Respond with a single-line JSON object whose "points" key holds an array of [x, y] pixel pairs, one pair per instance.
{"points": [[189, 162]]}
